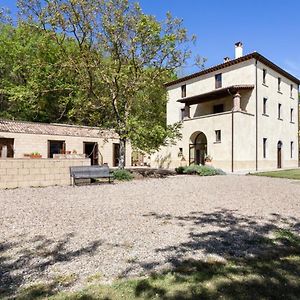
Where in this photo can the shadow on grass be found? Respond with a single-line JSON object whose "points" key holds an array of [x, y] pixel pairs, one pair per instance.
{"points": [[257, 266], [245, 257], [31, 259]]}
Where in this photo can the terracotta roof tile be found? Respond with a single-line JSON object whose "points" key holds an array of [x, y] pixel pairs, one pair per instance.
{"points": [[55, 129]]}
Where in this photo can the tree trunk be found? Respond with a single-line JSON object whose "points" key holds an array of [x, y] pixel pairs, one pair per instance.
{"points": [[122, 153]]}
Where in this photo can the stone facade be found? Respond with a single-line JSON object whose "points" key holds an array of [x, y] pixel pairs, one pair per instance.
{"points": [[34, 137], [242, 124], [16, 173]]}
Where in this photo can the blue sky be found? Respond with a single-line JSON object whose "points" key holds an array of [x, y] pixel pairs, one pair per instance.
{"points": [[267, 26]]}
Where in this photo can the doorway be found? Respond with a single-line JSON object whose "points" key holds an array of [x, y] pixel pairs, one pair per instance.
{"points": [[198, 148], [116, 154], [279, 155], [6, 148], [90, 150]]}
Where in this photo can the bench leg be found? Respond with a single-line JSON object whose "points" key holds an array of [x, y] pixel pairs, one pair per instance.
{"points": [[73, 181]]}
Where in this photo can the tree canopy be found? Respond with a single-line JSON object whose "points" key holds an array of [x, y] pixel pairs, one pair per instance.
{"points": [[93, 62]]}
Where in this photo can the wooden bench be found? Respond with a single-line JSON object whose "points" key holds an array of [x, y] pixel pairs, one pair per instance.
{"points": [[90, 172]]}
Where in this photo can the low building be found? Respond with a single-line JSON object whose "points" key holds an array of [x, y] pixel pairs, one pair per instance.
{"points": [[20, 139], [241, 114]]}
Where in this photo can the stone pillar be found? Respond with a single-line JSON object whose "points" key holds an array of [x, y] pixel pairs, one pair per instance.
{"points": [[187, 111], [236, 102]]}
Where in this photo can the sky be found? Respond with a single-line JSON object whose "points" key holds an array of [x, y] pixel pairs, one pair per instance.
{"points": [[270, 27]]}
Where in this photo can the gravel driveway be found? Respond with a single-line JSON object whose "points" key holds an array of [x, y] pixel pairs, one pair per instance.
{"points": [[128, 229]]}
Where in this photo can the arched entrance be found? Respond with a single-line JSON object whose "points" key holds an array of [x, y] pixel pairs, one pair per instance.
{"points": [[198, 148], [279, 155]]}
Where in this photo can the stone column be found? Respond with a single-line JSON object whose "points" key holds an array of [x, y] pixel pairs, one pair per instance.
{"points": [[187, 111], [236, 102]]}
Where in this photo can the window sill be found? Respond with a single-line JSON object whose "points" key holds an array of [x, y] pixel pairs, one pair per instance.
{"points": [[217, 142], [279, 119], [279, 92], [265, 85], [265, 115]]}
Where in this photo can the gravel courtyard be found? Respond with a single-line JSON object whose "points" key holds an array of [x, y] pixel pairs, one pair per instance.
{"points": [[129, 229]]}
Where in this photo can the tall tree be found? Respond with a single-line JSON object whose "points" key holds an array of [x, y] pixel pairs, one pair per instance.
{"points": [[121, 47]]}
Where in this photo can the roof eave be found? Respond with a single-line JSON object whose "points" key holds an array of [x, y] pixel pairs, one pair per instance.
{"points": [[253, 55]]}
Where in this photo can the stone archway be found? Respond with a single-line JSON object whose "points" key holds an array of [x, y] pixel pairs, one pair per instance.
{"points": [[198, 148]]}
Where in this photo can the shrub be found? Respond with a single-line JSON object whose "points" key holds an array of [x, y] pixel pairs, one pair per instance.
{"points": [[192, 169], [123, 175], [203, 170], [179, 170]]}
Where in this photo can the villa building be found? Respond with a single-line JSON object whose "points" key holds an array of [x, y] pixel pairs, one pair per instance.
{"points": [[242, 113]]}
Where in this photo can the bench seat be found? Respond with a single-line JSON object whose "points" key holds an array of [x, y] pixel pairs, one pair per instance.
{"points": [[90, 172]]}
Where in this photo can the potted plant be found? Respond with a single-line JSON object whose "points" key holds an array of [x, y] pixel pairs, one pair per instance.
{"points": [[208, 160], [35, 155]]}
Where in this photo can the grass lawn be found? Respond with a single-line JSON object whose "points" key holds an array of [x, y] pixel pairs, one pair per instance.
{"points": [[274, 274], [289, 174]]}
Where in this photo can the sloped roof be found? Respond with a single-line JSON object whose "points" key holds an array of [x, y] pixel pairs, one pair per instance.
{"points": [[55, 129], [249, 56]]}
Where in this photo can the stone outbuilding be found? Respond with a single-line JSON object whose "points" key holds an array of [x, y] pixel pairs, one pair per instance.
{"points": [[20, 139]]}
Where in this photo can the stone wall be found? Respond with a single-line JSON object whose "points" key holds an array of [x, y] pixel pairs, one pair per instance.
{"points": [[37, 172]]}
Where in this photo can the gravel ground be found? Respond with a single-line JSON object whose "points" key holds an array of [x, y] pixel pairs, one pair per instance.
{"points": [[129, 229]]}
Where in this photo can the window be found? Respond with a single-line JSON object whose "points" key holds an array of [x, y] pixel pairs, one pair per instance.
{"points": [[279, 111], [183, 91], [56, 147], [292, 149], [265, 106], [218, 135], [218, 80], [218, 108], [264, 147], [180, 152], [279, 84], [6, 147], [292, 115], [264, 76], [291, 91]]}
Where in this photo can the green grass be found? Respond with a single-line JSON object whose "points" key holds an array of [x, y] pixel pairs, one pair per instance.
{"points": [[289, 174], [273, 275]]}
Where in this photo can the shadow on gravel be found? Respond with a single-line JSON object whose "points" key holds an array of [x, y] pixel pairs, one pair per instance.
{"points": [[256, 266], [32, 259]]}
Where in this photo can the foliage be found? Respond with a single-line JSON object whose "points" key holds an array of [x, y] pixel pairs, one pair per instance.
{"points": [[119, 47], [203, 170], [123, 175], [179, 170]]}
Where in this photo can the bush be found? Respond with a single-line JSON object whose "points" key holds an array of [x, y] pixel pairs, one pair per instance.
{"points": [[179, 170], [123, 175], [203, 170], [192, 169]]}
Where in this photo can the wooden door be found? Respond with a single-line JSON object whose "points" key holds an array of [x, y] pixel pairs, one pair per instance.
{"points": [[279, 155], [116, 154]]}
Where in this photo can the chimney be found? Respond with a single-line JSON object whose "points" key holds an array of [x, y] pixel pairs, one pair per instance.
{"points": [[226, 59], [238, 49]]}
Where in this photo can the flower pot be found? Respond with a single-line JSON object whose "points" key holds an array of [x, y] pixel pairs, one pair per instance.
{"points": [[35, 156]]}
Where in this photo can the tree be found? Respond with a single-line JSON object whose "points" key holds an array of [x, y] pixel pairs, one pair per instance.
{"points": [[121, 48]]}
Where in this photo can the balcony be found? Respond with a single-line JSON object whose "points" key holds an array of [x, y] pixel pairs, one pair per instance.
{"points": [[217, 102]]}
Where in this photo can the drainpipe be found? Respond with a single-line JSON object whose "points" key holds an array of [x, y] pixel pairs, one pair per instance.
{"points": [[232, 141], [232, 134], [298, 124], [256, 119]]}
